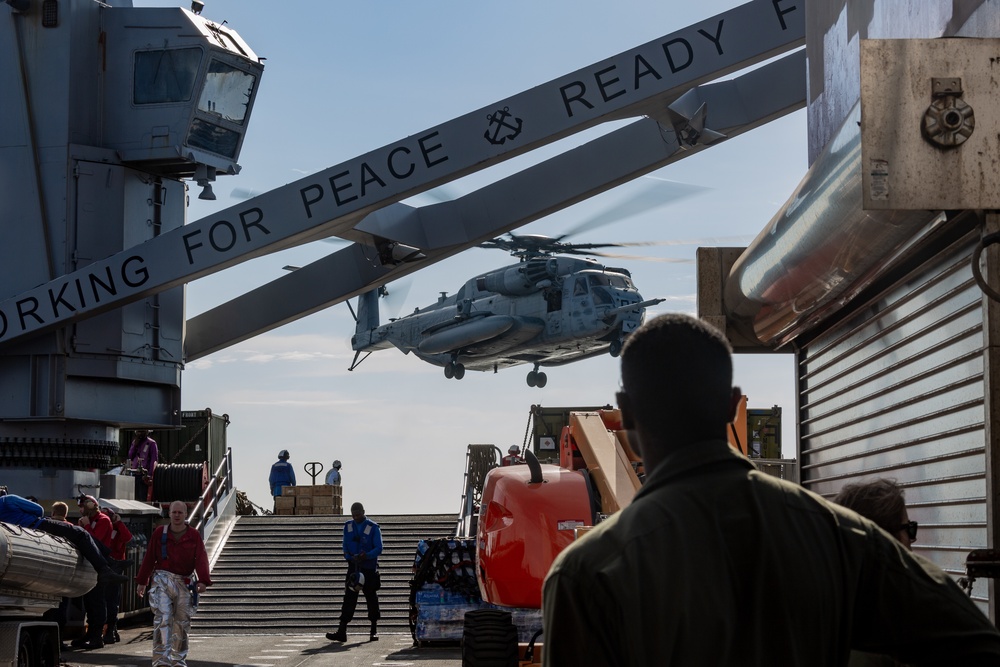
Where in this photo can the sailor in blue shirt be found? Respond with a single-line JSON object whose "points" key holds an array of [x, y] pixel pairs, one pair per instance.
{"points": [[362, 547], [282, 474]]}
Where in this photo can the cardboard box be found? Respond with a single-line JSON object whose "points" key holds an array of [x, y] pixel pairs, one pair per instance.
{"points": [[303, 511], [284, 503], [303, 501]]}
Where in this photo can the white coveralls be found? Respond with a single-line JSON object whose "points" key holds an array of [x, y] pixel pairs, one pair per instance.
{"points": [[170, 600]]}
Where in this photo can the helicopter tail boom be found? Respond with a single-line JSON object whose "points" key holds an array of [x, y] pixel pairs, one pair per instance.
{"points": [[367, 322]]}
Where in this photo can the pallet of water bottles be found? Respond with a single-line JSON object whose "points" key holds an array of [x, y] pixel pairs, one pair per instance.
{"points": [[444, 589], [309, 500]]}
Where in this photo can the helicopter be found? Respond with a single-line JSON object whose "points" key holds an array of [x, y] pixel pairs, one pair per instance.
{"points": [[556, 305]]}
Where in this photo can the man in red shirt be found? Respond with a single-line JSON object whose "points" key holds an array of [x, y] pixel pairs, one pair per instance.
{"points": [[175, 553], [95, 602], [120, 537]]}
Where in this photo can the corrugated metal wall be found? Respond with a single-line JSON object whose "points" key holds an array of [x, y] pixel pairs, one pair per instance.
{"points": [[897, 390]]}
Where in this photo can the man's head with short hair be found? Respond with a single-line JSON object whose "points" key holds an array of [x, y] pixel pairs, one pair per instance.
{"points": [[677, 377], [60, 510], [177, 513], [879, 500], [358, 511]]}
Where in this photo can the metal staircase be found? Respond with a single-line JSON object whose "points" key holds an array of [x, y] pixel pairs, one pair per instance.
{"points": [[285, 574]]}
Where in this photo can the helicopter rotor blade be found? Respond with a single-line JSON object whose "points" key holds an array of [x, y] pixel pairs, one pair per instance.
{"points": [[650, 193], [718, 241], [665, 260]]}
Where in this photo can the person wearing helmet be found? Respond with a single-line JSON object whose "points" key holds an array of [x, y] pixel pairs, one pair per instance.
{"points": [[333, 477], [513, 457], [362, 547], [282, 474]]}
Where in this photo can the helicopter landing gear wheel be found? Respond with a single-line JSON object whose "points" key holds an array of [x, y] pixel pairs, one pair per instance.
{"points": [[536, 378], [616, 348]]}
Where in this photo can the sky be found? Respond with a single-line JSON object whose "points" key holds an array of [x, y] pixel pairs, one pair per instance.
{"points": [[342, 79]]}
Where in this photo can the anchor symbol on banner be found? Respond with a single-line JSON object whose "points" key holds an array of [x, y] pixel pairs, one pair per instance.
{"points": [[498, 122]]}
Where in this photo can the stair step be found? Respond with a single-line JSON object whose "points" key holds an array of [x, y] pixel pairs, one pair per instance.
{"points": [[287, 572]]}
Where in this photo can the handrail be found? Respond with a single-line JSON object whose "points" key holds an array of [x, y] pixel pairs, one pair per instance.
{"points": [[218, 488]]}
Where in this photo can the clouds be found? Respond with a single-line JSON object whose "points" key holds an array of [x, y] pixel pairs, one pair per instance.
{"points": [[354, 78]]}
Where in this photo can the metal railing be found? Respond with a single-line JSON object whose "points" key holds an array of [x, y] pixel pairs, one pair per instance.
{"points": [[479, 460], [218, 489]]}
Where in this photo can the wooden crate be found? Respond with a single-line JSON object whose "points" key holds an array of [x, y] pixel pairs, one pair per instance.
{"points": [[323, 490], [284, 503], [289, 490], [303, 501], [284, 512], [299, 511]]}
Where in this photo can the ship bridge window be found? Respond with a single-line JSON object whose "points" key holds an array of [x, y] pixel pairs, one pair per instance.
{"points": [[213, 138], [227, 92], [165, 75]]}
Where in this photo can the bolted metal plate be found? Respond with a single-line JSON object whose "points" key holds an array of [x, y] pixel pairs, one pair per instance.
{"points": [[930, 123]]}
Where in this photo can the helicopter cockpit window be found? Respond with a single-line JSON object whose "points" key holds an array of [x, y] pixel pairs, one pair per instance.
{"points": [[619, 281], [599, 291], [165, 75], [580, 288]]}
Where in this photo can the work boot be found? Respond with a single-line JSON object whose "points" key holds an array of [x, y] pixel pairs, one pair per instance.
{"points": [[111, 635], [92, 643], [88, 642], [109, 576], [339, 636], [373, 635]]}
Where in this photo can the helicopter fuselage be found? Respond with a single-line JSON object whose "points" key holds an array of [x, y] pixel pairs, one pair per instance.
{"points": [[545, 311]]}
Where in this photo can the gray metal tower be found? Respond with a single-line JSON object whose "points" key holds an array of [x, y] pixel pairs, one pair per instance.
{"points": [[106, 109]]}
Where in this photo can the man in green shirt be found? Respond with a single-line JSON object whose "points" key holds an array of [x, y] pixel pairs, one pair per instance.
{"points": [[715, 563]]}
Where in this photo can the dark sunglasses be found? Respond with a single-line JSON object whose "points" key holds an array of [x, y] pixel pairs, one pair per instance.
{"points": [[911, 529]]}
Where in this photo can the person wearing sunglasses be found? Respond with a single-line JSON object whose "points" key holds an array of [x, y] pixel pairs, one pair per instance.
{"points": [[882, 501], [717, 563]]}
